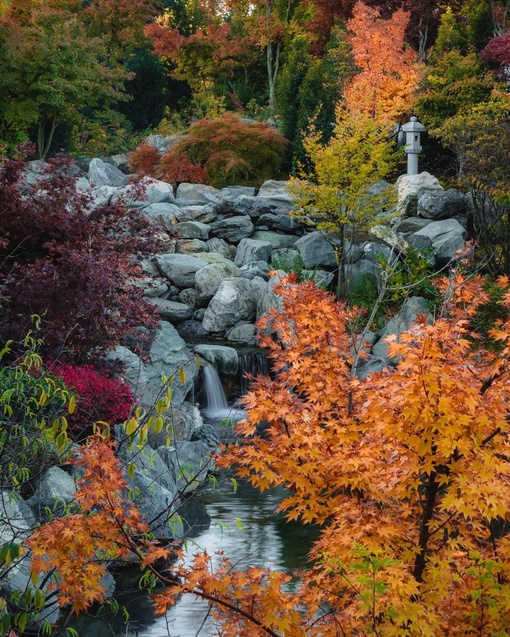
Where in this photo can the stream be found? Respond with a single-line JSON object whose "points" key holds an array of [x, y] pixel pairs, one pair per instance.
{"points": [[241, 522]]}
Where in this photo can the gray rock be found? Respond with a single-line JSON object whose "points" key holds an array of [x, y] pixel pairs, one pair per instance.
{"points": [[232, 302], [223, 358], [268, 298], [147, 462], [279, 221], [237, 191], [190, 246], [277, 240], [286, 259], [233, 229], [102, 196], [221, 247], [446, 236], [158, 505], [189, 297], [410, 188], [197, 192], [206, 434], [411, 224], [172, 311], [402, 322], [209, 279], [371, 365], [315, 251], [321, 278], [242, 332], [101, 174], [180, 269], [190, 463], [154, 287], [192, 330], [256, 269], [271, 187], [162, 213], [158, 142], [166, 356], [362, 272], [420, 243], [199, 212], [250, 250], [145, 192], [55, 490], [441, 204], [120, 161], [193, 230]]}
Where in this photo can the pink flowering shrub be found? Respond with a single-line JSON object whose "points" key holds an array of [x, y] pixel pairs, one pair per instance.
{"points": [[98, 397]]}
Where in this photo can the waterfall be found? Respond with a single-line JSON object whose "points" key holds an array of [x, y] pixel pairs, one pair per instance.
{"points": [[213, 403]]}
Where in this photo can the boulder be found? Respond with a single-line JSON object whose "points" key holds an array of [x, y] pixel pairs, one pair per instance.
{"points": [[315, 251], [321, 278], [158, 142], [55, 490], [190, 463], [411, 224], [271, 187], [256, 269], [446, 236], [209, 279], [172, 311], [192, 330], [223, 358], [441, 204], [202, 213], [102, 196], [102, 174], [232, 229], [410, 188], [267, 298], [232, 302], [238, 191], [242, 332], [163, 213], [189, 297], [189, 246], [250, 250], [180, 269], [166, 356], [193, 230], [197, 192], [221, 247], [145, 192], [120, 161], [277, 240], [402, 322], [279, 220]]}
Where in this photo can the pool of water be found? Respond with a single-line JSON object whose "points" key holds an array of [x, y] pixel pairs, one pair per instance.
{"points": [[243, 524]]}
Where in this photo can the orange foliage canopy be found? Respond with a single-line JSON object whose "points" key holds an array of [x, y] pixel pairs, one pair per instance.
{"points": [[78, 546], [389, 71], [407, 471]]}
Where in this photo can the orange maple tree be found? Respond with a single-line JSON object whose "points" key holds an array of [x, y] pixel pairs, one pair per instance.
{"points": [[389, 73], [407, 472]]}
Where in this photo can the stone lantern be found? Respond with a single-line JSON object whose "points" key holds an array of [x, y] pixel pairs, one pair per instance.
{"points": [[413, 129]]}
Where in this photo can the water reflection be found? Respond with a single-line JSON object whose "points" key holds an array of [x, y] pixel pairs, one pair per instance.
{"points": [[245, 527]]}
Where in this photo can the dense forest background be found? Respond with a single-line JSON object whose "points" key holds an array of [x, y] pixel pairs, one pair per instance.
{"points": [[96, 76]]}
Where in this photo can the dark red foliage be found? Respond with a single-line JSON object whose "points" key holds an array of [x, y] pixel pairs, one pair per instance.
{"points": [[97, 397], [177, 168], [144, 159], [497, 54], [69, 263]]}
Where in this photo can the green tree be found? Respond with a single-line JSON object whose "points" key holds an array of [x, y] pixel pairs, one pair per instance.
{"points": [[335, 196], [56, 70]]}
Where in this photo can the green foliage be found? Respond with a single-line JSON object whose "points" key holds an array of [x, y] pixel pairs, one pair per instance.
{"points": [[33, 424], [309, 88], [411, 275]]}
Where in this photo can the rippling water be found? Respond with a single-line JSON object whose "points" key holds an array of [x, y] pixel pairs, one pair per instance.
{"points": [[245, 527]]}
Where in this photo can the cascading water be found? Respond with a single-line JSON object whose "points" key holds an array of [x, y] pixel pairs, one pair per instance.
{"points": [[213, 402], [251, 365]]}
